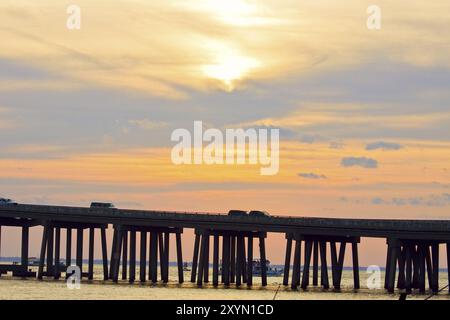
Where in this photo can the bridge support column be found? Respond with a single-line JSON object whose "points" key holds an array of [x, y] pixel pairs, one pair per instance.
{"points": [[401, 269], [315, 263], [216, 261], [323, 265], [91, 254], [239, 259], [124, 254], [166, 256], [50, 252], [195, 256], [226, 260], [104, 253], [306, 265], [202, 259], [262, 252], [132, 274], [179, 258], [435, 266], [25, 245], [393, 252], [116, 253], [287, 259], [356, 284], [143, 257], [79, 256], [68, 246], [244, 260], [206, 262], [297, 263], [57, 253], [448, 264], [233, 260], [250, 261], [153, 257]]}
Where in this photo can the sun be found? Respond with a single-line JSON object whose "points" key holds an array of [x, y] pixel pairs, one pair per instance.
{"points": [[229, 66]]}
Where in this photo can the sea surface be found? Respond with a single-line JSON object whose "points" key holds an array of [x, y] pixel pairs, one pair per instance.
{"points": [[49, 289]]}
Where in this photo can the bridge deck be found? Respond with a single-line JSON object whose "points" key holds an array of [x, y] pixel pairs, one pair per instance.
{"points": [[407, 229]]}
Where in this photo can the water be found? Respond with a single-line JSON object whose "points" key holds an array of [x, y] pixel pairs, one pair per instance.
{"points": [[48, 289]]}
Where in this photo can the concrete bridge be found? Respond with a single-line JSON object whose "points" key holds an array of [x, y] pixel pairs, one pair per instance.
{"points": [[412, 245]]}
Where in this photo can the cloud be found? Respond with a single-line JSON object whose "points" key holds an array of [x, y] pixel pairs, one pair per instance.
{"points": [[434, 200], [359, 162], [383, 146], [311, 175]]}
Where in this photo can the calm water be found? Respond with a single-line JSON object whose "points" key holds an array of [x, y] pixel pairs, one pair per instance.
{"points": [[11, 288]]}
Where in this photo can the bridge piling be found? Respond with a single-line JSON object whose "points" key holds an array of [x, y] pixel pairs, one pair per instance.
{"points": [[262, 252], [42, 254], [216, 260], [250, 260], [57, 252], [91, 254], [435, 261], [166, 256], [341, 258], [206, 262], [68, 246], [306, 265], [315, 263], [195, 256], [50, 247], [124, 254], [143, 257], [201, 262], [448, 264], [323, 265], [79, 256], [153, 260], [429, 266], [226, 259], [238, 261], [287, 259], [162, 256], [179, 258], [297, 264], [104, 252], [355, 260], [233, 260], [132, 272], [25, 246], [334, 263]]}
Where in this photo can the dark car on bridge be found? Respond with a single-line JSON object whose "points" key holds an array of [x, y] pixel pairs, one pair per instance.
{"points": [[105, 205], [4, 201], [257, 213], [237, 213]]}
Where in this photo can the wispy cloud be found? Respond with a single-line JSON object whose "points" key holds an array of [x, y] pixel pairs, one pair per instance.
{"points": [[311, 175], [434, 200], [359, 162], [383, 146]]}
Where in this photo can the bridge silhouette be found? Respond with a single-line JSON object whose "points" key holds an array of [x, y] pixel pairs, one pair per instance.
{"points": [[412, 254]]}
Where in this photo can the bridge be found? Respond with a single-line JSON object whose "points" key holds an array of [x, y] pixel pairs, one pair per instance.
{"points": [[412, 254]]}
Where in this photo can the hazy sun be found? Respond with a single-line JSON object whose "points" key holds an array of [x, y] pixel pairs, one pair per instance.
{"points": [[228, 65]]}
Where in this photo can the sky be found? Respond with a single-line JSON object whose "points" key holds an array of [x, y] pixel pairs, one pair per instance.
{"points": [[364, 115]]}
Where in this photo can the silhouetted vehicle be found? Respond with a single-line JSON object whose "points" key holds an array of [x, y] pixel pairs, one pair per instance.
{"points": [[237, 213], [256, 213], [105, 205], [4, 201]]}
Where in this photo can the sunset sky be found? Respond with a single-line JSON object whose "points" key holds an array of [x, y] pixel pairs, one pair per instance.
{"points": [[364, 115]]}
